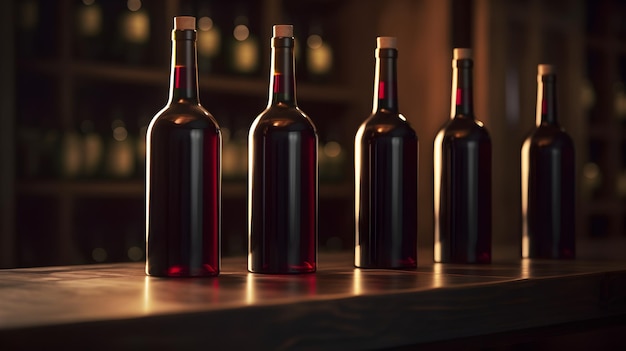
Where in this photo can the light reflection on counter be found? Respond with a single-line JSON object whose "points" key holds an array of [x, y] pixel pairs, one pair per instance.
{"points": [[265, 287], [357, 287], [438, 278], [146, 295], [525, 270]]}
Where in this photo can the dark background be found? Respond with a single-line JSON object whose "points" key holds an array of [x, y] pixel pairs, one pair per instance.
{"points": [[71, 193]]}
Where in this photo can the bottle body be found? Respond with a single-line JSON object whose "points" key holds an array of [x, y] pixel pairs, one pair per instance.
{"points": [[462, 193], [183, 173], [283, 193], [184, 193], [282, 174], [386, 162], [385, 177], [548, 183], [462, 166]]}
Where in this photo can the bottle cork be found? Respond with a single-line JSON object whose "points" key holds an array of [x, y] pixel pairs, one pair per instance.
{"points": [[184, 23], [544, 69], [386, 43], [283, 30], [462, 54]]}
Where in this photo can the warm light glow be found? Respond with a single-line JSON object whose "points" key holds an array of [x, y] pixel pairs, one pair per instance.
{"points": [[591, 171], [438, 277], [241, 32], [246, 55], [141, 145], [120, 133], [250, 287], [183, 119], [620, 100], [384, 128], [147, 302], [525, 268], [92, 149], [136, 27], [332, 149], [89, 20], [587, 94], [209, 42], [205, 23], [133, 5], [314, 41], [320, 59], [357, 285]]}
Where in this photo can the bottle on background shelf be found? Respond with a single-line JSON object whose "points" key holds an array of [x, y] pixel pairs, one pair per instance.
{"points": [[282, 173], [385, 174], [462, 167], [332, 157], [548, 184], [72, 154], [93, 149], [183, 172], [244, 47], [319, 54], [134, 27], [209, 40], [89, 27], [120, 149]]}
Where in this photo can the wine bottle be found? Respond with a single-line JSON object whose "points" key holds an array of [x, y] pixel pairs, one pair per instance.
{"points": [[183, 172], [282, 174], [385, 177], [462, 165], [547, 179]]}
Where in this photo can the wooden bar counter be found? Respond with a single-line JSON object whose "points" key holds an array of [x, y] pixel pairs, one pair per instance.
{"points": [[116, 307]]}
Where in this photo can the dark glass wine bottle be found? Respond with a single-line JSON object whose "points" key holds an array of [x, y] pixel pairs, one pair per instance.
{"points": [[385, 175], [462, 164], [282, 174], [548, 179], [183, 173]]}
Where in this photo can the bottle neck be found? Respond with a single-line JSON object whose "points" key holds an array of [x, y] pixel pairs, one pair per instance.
{"points": [[462, 90], [546, 100], [385, 82], [184, 72], [282, 73]]}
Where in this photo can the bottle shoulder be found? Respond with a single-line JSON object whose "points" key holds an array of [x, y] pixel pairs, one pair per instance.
{"points": [[283, 117], [461, 127], [385, 123], [549, 136], [185, 115]]}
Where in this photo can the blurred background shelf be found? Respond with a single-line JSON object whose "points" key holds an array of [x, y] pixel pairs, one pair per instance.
{"points": [[82, 79], [159, 77]]}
